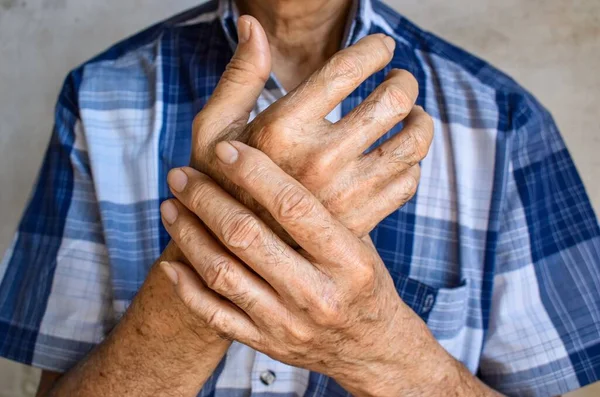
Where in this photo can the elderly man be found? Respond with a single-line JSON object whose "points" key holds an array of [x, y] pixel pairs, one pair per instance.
{"points": [[294, 257]]}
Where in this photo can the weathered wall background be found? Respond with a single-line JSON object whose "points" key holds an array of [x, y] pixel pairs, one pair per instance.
{"points": [[550, 46]]}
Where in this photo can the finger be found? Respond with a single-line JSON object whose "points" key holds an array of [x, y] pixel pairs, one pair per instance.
{"points": [[242, 82], [220, 271], [290, 204], [387, 106], [393, 196], [327, 87], [242, 232], [217, 313], [379, 199], [403, 150]]}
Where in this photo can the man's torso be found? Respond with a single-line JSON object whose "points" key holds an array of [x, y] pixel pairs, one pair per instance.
{"points": [[134, 106]]}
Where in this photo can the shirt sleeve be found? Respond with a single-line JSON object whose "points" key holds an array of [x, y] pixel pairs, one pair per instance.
{"points": [[55, 294], [543, 337]]}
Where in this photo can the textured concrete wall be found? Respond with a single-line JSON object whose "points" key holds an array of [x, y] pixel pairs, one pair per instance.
{"points": [[550, 46]]}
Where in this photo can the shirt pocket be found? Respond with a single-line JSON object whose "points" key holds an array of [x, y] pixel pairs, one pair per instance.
{"points": [[443, 309], [446, 312]]}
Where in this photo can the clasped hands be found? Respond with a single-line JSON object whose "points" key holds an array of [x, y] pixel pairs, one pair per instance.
{"points": [[275, 230]]}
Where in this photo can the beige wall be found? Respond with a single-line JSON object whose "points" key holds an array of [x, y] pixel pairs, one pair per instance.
{"points": [[551, 46]]}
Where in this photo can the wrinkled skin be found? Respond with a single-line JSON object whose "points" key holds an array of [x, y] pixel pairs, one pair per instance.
{"points": [[332, 308], [276, 240], [328, 159], [160, 348]]}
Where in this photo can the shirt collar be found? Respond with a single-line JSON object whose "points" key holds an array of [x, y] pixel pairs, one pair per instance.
{"points": [[357, 27]]}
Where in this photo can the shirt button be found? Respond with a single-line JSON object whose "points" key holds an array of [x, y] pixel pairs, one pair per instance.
{"points": [[268, 378], [427, 305]]}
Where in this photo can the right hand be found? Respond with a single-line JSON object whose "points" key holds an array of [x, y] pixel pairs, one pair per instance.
{"points": [[328, 159]]}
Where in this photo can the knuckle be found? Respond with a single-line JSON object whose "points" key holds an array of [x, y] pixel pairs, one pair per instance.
{"points": [[341, 199], [395, 97], [400, 158], [293, 203], [240, 230], [429, 127], [416, 174], [329, 315], [220, 275], [406, 187], [225, 333], [268, 137], [409, 184], [243, 300], [421, 141], [315, 174], [411, 190], [202, 123], [425, 121], [412, 184], [201, 135], [188, 299], [326, 307], [368, 111], [199, 122], [198, 191], [358, 226], [415, 144], [240, 71], [187, 237], [299, 335], [364, 277], [216, 321], [342, 69], [324, 161]]}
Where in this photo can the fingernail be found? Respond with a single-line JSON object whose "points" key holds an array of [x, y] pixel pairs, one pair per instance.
{"points": [[170, 272], [169, 212], [244, 29], [177, 179], [390, 43], [226, 152]]}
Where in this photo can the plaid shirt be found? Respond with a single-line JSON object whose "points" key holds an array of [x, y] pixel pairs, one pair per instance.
{"points": [[498, 252]]}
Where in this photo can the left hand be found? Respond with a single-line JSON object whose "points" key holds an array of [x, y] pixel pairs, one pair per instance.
{"points": [[331, 307], [329, 159]]}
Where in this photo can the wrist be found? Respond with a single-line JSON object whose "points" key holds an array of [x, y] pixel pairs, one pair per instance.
{"points": [[437, 375], [158, 319], [410, 362], [152, 351], [433, 378], [161, 311]]}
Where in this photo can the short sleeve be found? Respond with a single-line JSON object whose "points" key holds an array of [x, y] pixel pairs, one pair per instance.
{"points": [[55, 302], [543, 337]]}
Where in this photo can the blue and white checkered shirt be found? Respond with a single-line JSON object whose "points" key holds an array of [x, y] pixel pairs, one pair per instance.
{"points": [[499, 251]]}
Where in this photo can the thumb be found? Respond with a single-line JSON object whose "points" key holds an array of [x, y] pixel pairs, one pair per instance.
{"points": [[245, 76]]}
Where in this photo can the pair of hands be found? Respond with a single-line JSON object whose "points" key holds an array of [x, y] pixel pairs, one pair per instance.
{"points": [[276, 239], [331, 307]]}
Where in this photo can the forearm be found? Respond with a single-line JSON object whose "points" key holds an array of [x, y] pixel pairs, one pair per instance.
{"points": [[415, 364], [452, 380], [157, 349]]}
